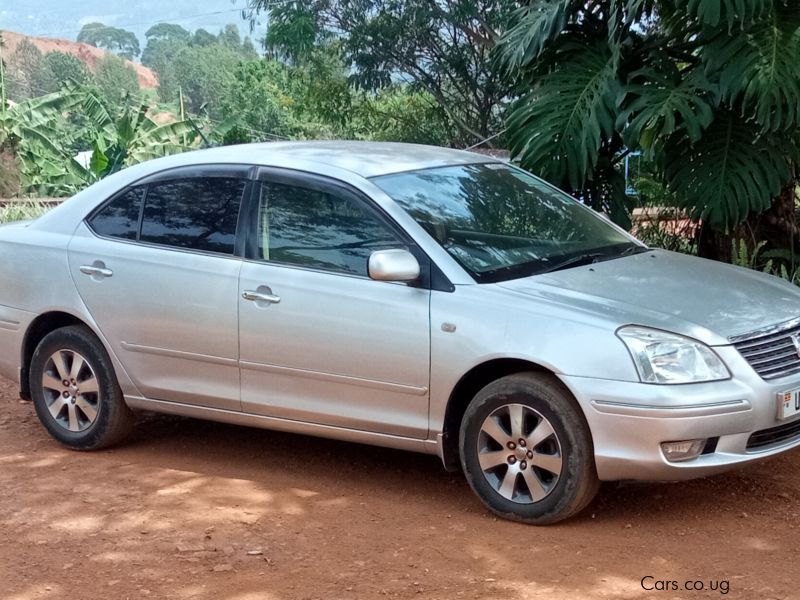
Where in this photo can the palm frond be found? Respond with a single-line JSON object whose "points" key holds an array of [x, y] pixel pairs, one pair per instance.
{"points": [[655, 105], [536, 24], [760, 67], [557, 128], [732, 171], [730, 12]]}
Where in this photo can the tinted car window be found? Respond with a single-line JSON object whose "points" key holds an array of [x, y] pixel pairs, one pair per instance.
{"points": [[120, 217], [199, 214], [320, 230], [501, 223]]}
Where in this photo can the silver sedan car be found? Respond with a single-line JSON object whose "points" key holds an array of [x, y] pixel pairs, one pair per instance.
{"points": [[407, 296]]}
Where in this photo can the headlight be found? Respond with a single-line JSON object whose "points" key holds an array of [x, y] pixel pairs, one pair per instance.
{"points": [[662, 357]]}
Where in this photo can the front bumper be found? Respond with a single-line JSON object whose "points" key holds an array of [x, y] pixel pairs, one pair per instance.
{"points": [[629, 421]]}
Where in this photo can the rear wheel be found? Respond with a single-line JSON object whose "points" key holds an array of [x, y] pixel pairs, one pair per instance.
{"points": [[526, 450], [75, 392]]}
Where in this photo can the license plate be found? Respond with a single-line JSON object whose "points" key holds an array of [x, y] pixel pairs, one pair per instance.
{"points": [[789, 403]]}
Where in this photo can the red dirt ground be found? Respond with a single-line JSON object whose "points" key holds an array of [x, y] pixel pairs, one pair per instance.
{"points": [[188, 509], [88, 54]]}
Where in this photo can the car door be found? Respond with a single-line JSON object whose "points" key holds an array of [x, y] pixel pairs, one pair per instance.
{"points": [[157, 269], [319, 340]]}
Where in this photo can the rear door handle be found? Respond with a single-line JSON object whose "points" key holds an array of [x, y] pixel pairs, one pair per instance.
{"points": [[258, 296], [97, 270]]}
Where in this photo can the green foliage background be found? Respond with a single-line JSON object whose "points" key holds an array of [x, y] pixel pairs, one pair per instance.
{"points": [[707, 92]]}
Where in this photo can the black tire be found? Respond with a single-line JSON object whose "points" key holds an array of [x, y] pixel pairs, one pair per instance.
{"points": [[101, 418], [541, 397]]}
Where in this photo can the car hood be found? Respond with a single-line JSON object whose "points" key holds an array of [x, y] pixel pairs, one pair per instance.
{"points": [[704, 299]]}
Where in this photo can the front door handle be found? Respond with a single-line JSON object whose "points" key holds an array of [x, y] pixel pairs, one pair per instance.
{"points": [[261, 296], [97, 270]]}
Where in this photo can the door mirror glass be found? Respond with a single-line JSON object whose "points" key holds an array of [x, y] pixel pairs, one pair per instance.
{"points": [[393, 265]]}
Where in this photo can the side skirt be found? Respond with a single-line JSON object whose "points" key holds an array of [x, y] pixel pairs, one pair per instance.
{"points": [[301, 427]]}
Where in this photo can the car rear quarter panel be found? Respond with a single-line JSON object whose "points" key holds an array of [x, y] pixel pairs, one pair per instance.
{"points": [[35, 281]]}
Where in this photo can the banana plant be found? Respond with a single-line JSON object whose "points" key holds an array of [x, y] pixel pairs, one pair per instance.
{"points": [[31, 129], [129, 135], [123, 136]]}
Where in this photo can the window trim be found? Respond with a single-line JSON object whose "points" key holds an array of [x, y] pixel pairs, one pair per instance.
{"points": [[322, 183], [244, 194], [431, 276], [209, 170], [100, 208]]}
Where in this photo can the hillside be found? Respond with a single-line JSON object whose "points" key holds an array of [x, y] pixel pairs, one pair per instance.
{"points": [[64, 18], [88, 54]]}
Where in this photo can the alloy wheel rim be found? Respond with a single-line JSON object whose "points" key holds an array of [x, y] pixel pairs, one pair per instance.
{"points": [[71, 390], [519, 453]]}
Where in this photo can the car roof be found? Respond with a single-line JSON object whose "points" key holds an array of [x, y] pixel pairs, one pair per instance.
{"points": [[330, 158], [366, 159]]}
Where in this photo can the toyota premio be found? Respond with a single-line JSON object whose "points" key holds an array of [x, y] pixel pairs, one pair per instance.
{"points": [[407, 296]]}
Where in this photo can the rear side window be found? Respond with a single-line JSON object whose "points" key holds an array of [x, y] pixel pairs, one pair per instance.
{"points": [[120, 217], [197, 214]]}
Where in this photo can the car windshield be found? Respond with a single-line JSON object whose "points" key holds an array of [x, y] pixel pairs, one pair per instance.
{"points": [[501, 223]]}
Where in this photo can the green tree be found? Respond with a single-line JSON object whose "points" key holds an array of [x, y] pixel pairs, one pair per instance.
{"points": [[164, 41], [257, 97], [249, 51], [399, 114], [230, 38], [121, 42], [443, 48], [116, 79], [203, 74], [59, 69], [708, 90], [24, 70], [202, 37], [324, 97]]}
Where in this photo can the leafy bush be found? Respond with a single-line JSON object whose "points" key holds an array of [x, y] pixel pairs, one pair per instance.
{"points": [[116, 79], [709, 90]]}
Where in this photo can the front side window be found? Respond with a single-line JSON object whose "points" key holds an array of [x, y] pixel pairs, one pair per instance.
{"points": [[501, 223], [120, 217], [197, 214], [317, 229]]}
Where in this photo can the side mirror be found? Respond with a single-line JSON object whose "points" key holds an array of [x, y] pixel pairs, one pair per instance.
{"points": [[393, 265]]}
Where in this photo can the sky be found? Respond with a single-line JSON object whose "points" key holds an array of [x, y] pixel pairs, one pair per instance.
{"points": [[64, 18]]}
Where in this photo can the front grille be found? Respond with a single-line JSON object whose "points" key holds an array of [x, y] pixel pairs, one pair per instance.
{"points": [[772, 355], [773, 435]]}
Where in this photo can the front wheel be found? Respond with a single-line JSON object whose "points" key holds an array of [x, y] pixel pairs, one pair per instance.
{"points": [[526, 450], [75, 391]]}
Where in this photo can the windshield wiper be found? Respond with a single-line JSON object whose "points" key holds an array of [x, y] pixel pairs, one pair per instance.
{"points": [[574, 261], [633, 249], [592, 257]]}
